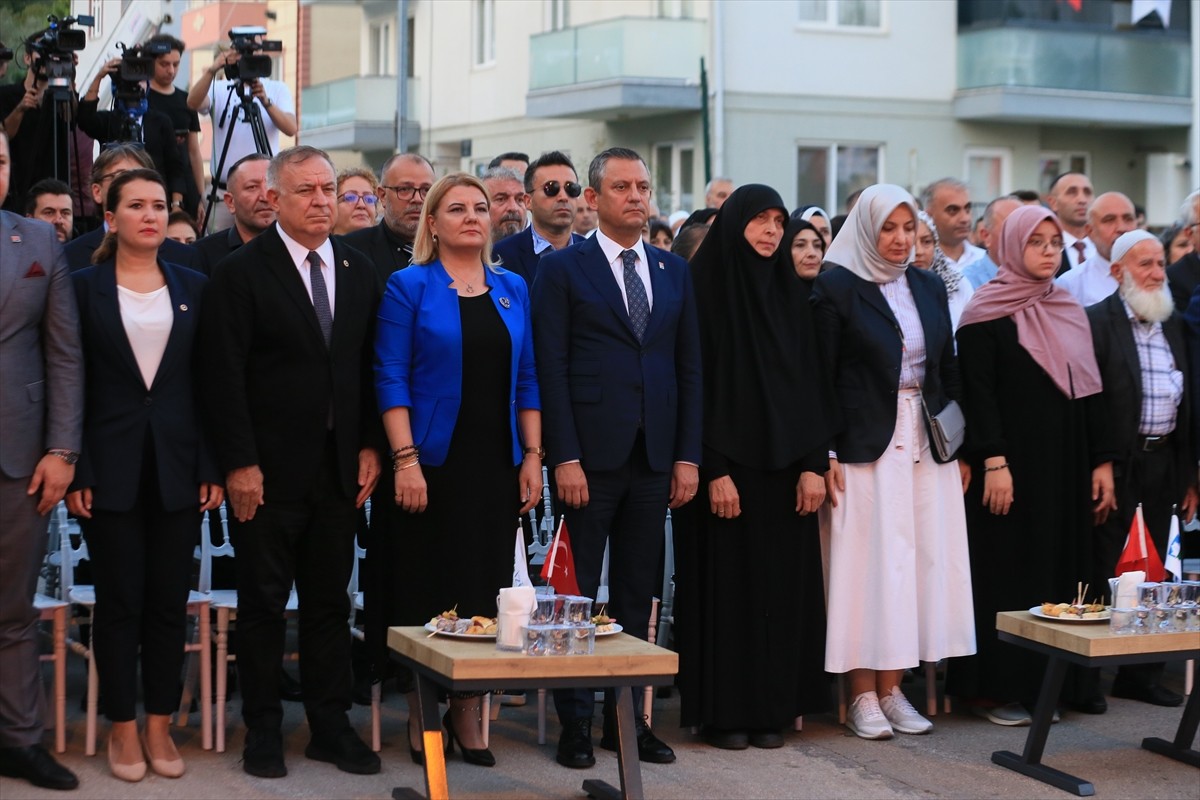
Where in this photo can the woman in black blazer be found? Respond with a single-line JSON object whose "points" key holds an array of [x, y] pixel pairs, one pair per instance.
{"points": [[899, 577], [144, 476]]}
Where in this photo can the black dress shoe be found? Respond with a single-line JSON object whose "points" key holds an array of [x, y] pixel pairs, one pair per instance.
{"points": [[345, 750], [35, 764], [289, 688], [1095, 704], [481, 757], [766, 739], [726, 739], [262, 755], [1147, 693], [575, 744], [651, 749]]}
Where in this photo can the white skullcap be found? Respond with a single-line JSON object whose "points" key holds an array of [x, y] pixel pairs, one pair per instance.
{"points": [[1126, 241]]}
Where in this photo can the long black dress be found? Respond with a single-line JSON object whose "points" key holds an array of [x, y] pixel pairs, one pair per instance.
{"points": [[459, 551], [1042, 547]]}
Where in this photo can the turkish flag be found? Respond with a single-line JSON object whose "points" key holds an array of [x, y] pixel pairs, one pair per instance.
{"points": [[558, 570], [1139, 552]]}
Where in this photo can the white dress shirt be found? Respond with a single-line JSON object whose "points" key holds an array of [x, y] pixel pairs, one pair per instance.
{"points": [[1069, 241], [299, 254], [612, 251], [1090, 282], [147, 318], [970, 255]]}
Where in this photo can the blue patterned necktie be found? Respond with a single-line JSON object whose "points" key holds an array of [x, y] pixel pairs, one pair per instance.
{"points": [[635, 294], [320, 297]]}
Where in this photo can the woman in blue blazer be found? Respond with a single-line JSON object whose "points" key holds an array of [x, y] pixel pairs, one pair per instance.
{"points": [[458, 393], [144, 476]]}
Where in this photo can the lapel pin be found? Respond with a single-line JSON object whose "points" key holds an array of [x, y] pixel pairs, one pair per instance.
{"points": [[15, 239], [345, 262], [504, 301], [660, 265], [183, 306]]}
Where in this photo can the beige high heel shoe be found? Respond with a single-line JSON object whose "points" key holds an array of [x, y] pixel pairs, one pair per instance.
{"points": [[126, 772], [167, 767]]}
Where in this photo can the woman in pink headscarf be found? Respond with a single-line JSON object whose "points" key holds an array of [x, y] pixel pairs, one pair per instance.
{"points": [[1029, 382]]}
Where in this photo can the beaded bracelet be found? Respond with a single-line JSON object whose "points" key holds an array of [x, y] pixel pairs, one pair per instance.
{"points": [[996, 468]]}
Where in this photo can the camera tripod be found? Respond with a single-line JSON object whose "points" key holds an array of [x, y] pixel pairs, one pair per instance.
{"points": [[253, 116]]}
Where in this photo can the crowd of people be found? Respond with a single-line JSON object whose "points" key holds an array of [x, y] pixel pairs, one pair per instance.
{"points": [[768, 374]]}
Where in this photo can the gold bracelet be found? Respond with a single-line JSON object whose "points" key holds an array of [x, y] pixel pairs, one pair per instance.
{"points": [[996, 468], [410, 464]]}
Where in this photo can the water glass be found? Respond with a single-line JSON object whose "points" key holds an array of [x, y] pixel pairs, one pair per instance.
{"points": [[1147, 594], [548, 610], [583, 640], [1122, 622], [578, 610]]}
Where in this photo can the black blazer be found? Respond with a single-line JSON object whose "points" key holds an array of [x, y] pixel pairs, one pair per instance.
{"points": [[387, 253], [1121, 372], [516, 253], [79, 250], [120, 411], [268, 379], [214, 247], [860, 339], [1183, 277]]}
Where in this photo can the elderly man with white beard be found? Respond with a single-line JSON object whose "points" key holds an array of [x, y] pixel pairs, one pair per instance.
{"points": [[1139, 341]]}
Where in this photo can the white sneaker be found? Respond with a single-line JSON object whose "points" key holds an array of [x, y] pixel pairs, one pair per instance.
{"points": [[902, 715], [866, 719]]}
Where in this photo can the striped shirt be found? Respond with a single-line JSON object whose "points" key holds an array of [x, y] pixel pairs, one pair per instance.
{"points": [[912, 336], [1162, 382]]}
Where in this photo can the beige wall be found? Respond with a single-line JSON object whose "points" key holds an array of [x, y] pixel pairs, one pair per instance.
{"points": [[338, 32]]}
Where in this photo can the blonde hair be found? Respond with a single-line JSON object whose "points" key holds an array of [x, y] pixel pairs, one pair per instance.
{"points": [[425, 249], [358, 172]]}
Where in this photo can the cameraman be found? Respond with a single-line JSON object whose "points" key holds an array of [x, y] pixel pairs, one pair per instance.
{"points": [[166, 98], [218, 99], [158, 134], [30, 120]]}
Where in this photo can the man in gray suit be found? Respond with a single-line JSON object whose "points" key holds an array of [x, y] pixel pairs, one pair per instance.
{"points": [[41, 425]]}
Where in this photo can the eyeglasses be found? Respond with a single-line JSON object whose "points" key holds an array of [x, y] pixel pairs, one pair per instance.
{"points": [[551, 188], [1038, 243], [353, 197], [108, 176], [409, 192]]}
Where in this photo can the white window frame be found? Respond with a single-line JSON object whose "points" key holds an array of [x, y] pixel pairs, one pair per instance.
{"points": [[830, 201], [1064, 158], [675, 9], [483, 28], [831, 25], [557, 15], [381, 41], [677, 189], [1005, 156]]}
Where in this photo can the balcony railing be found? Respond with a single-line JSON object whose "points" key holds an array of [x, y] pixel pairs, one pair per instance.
{"points": [[369, 99], [626, 48]]}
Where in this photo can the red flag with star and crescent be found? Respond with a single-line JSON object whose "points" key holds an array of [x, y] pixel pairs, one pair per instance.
{"points": [[559, 568]]}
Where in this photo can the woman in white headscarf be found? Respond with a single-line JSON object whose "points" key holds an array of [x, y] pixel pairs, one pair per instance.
{"points": [[899, 573], [929, 256]]}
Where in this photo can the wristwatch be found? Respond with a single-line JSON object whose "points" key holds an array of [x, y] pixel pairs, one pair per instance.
{"points": [[540, 452], [69, 456], [267, 102]]}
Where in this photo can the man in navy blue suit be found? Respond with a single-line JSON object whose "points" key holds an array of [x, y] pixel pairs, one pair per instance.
{"points": [[551, 186], [618, 355]]}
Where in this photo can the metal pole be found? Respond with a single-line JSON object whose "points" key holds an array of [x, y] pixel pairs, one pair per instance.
{"points": [[401, 76], [704, 121], [1194, 132]]}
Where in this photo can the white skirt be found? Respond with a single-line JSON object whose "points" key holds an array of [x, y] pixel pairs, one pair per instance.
{"points": [[899, 574]]}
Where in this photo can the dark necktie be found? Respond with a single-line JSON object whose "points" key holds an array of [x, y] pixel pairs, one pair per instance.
{"points": [[635, 294], [1080, 249], [320, 297]]}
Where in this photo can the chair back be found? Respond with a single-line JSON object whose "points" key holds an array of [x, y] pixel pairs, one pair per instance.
{"points": [[208, 550], [69, 555]]}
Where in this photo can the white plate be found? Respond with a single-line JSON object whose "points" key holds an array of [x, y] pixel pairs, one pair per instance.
{"points": [[616, 628], [483, 637], [1037, 612]]}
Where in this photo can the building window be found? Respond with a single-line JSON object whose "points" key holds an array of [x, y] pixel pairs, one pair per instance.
{"points": [[675, 9], [558, 14], [381, 48], [828, 174], [485, 31], [842, 13], [989, 173], [674, 176], [1051, 165]]}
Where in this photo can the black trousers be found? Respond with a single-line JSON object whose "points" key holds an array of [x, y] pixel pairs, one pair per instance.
{"points": [[142, 566], [627, 507], [310, 542]]}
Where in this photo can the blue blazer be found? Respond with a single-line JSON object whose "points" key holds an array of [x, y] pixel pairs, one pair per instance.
{"points": [[120, 410], [860, 339], [418, 353], [516, 253], [599, 384]]}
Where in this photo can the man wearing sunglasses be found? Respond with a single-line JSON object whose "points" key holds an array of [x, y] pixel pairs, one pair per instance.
{"points": [[403, 182], [551, 188]]}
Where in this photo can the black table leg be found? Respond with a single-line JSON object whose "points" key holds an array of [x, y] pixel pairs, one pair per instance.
{"points": [[1030, 762], [1181, 749], [431, 743], [629, 766]]}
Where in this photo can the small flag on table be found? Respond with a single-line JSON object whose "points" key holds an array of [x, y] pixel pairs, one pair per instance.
{"points": [[1174, 549], [520, 565], [559, 567], [1139, 552]]}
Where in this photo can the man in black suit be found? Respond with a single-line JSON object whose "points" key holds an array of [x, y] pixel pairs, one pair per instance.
{"points": [[109, 164], [246, 199], [1184, 274], [287, 344], [618, 352], [551, 186], [1139, 341], [403, 183]]}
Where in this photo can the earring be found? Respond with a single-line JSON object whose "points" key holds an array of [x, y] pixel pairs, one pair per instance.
{"points": [[435, 240]]}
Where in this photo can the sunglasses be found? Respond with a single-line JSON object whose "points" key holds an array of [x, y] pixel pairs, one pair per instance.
{"points": [[354, 197], [551, 188]]}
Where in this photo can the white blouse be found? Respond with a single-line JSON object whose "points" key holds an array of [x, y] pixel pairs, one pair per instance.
{"points": [[912, 335], [147, 318]]}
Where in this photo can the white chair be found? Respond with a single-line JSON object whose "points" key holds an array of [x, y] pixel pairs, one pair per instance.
{"points": [[55, 612], [356, 606], [225, 603]]}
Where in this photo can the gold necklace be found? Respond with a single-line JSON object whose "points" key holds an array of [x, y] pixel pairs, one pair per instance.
{"points": [[470, 286]]}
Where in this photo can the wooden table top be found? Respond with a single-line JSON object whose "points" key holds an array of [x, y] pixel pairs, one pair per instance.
{"points": [[616, 656], [1092, 640]]}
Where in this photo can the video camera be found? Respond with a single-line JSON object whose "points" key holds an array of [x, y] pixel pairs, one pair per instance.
{"points": [[137, 66], [245, 39], [55, 48]]}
